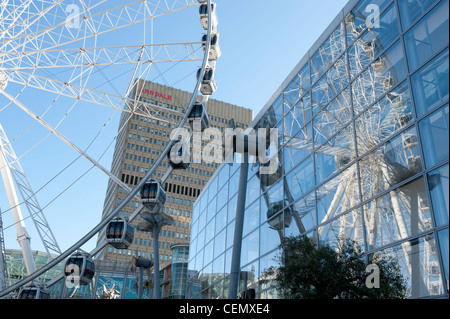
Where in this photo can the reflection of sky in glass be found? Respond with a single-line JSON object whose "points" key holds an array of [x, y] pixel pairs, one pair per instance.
{"points": [[351, 155]]}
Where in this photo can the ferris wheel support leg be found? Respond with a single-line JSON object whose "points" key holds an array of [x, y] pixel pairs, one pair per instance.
{"points": [[22, 236], [133, 191]]}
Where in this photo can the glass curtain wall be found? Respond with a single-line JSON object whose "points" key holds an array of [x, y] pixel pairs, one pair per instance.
{"points": [[363, 134]]}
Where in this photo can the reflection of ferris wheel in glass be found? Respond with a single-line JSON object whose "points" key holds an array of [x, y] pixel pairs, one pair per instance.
{"points": [[386, 161], [59, 56]]}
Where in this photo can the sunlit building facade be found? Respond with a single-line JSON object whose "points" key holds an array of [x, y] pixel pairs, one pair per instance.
{"points": [[138, 146], [363, 125]]}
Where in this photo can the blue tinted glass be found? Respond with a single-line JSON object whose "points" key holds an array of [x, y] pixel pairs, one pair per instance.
{"points": [[430, 84], [428, 36], [411, 10], [438, 185], [443, 242], [362, 16], [374, 41], [301, 179], [434, 134], [325, 56], [385, 72]]}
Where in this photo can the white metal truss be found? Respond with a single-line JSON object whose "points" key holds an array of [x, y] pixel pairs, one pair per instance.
{"points": [[22, 235], [37, 215], [85, 94], [3, 265], [35, 41], [102, 56]]}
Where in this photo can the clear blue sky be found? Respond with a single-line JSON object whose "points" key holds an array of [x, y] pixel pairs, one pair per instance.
{"points": [[261, 40]]}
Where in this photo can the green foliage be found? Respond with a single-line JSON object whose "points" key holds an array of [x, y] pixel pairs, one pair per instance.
{"points": [[309, 271]]}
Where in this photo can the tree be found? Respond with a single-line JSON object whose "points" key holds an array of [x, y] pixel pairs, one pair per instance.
{"points": [[311, 271]]}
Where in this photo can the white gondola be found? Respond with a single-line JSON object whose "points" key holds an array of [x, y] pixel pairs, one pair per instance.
{"points": [[208, 83], [203, 14], [179, 156], [214, 49], [80, 267], [153, 195], [119, 233], [33, 292], [199, 113]]}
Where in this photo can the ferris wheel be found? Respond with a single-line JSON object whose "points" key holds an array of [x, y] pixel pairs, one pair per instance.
{"points": [[60, 57]]}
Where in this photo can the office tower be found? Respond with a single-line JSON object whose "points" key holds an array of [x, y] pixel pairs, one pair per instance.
{"points": [[139, 144]]}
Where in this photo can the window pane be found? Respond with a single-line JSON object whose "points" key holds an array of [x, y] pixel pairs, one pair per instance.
{"points": [[428, 36], [362, 16], [431, 83], [333, 118], [411, 10], [383, 74], [222, 197], [346, 226], [434, 134], [221, 219], [337, 195], [251, 218], [304, 216], [418, 262], [330, 84], [298, 148], [439, 190], [269, 238], [443, 242], [253, 190], [219, 243], [335, 154], [250, 247], [374, 41], [401, 213], [301, 179], [390, 164], [384, 118], [328, 53]]}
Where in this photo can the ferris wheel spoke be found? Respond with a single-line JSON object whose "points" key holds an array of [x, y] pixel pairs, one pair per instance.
{"points": [[65, 140], [86, 26], [89, 95], [17, 26], [103, 56]]}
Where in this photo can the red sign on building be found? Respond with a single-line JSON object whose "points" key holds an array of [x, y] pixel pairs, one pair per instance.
{"points": [[157, 94]]}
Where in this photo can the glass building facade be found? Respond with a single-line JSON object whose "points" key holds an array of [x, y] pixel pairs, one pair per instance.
{"points": [[363, 125]]}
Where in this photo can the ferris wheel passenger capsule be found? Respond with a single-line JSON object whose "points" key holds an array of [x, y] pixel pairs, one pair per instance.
{"points": [[33, 292], [209, 83], [80, 266], [214, 50], [203, 14], [119, 233], [179, 156], [153, 195], [199, 113]]}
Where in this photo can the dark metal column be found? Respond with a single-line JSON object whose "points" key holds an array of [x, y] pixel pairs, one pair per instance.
{"points": [[238, 229]]}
